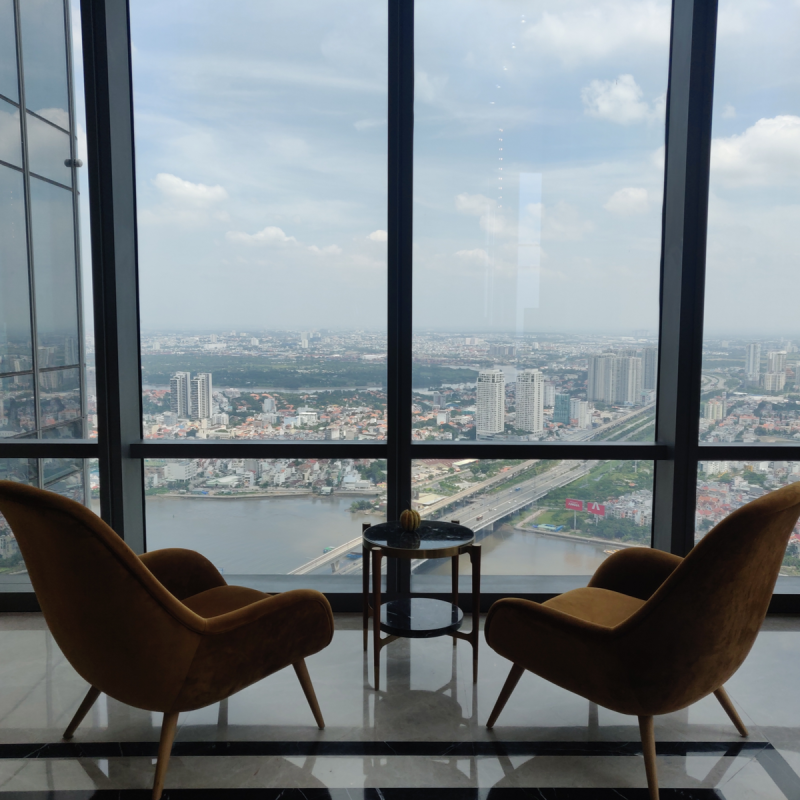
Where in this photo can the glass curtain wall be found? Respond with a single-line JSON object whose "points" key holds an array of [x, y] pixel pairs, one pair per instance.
{"points": [[42, 385]]}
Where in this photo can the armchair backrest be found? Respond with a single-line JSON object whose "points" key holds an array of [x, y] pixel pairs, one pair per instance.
{"points": [[115, 623], [700, 624]]}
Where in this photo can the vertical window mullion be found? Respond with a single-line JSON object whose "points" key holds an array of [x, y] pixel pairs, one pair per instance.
{"points": [[685, 216]]}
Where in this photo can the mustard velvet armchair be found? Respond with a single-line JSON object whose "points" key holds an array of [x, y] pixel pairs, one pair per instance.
{"points": [[163, 632], [653, 633]]}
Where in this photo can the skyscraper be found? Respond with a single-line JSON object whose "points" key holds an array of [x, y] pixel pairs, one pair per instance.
{"points": [[627, 380], [650, 366], [600, 383], [579, 412], [752, 362], [200, 402], [179, 394], [561, 409], [776, 361], [549, 393], [490, 403], [42, 364], [530, 401]]}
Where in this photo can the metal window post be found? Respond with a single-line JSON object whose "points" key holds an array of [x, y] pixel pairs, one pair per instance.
{"points": [[112, 200], [683, 256]]}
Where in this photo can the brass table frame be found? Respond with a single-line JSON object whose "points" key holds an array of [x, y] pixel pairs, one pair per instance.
{"points": [[372, 557]]}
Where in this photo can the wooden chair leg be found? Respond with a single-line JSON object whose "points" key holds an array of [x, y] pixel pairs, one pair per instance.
{"points": [[83, 710], [649, 750], [726, 703], [508, 687], [168, 727], [301, 670]]}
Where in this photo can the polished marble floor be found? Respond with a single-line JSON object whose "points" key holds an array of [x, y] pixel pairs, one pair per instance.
{"points": [[421, 736]]}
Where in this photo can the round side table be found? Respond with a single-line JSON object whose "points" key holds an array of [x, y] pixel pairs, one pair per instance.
{"points": [[416, 617]]}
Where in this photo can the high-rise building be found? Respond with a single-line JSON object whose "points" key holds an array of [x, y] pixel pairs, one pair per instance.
{"points": [[549, 391], [774, 381], [179, 394], [42, 364], [650, 367], [714, 409], [752, 362], [579, 413], [200, 403], [530, 401], [502, 350], [600, 383], [268, 404], [490, 403], [627, 381], [776, 361], [561, 409]]}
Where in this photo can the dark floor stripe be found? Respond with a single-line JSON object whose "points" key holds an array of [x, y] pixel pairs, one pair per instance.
{"points": [[369, 794], [374, 749], [783, 776]]}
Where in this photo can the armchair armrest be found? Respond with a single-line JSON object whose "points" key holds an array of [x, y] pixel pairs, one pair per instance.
{"points": [[635, 571], [183, 573]]}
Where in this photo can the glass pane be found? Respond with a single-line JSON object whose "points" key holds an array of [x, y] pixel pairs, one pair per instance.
{"points": [[537, 517], [66, 478], [538, 181], [293, 516], [750, 364], [724, 486], [56, 469], [48, 151], [293, 216], [44, 59], [10, 136], [69, 430], [20, 470], [15, 316], [54, 269], [8, 51], [60, 396], [17, 413]]}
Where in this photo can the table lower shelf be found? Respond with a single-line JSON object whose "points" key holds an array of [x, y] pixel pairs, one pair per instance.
{"points": [[420, 617]]}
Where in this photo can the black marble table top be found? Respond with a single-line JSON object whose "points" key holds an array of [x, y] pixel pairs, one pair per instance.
{"points": [[430, 537], [420, 617]]}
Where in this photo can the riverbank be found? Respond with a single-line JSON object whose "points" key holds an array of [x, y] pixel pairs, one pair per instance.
{"points": [[573, 537], [264, 495]]}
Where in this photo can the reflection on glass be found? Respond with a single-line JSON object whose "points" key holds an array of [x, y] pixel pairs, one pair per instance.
{"points": [[21, 470], [538, 183], [751, 382], [294, 516], [65, 477], [70, 430], [10, 137], [59, 396], [17, 414], [540, 516], [15, 320], [48, 151], [724, 486], [54, 270], [8, 51], [44, 59], [298, 204]]}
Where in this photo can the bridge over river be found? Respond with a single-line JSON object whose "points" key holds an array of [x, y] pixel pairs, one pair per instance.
{"points": [[479, 513]]}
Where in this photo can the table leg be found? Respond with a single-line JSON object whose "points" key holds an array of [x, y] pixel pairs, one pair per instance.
{"points": [[454, 598], [365, 586], [475, 559], [377, 554]]}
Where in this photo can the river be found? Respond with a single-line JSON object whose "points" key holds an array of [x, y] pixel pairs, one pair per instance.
{"points": [[268, 536]]}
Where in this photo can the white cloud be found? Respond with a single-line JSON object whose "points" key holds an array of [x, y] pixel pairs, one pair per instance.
{"points": [[378, 236], [478, 205], [766, 153], [175, 188], [562, 222], [330, 250], [474, 255], [729, 112], [427, 89], [593, 31], [627, 202], [268, 236], [366, 124], [620, 101]]}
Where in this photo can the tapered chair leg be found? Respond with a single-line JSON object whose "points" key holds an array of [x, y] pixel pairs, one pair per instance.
{"points": [[649, 750], [726, 703], [508, 687], [308, 690], [83, 710], [168, 728]]}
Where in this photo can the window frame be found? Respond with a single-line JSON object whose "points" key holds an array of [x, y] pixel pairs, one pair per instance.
{"points": [[121, 448]]}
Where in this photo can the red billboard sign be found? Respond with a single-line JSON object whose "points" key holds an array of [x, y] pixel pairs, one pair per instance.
{"points": [[596, 508], [573, 505]]}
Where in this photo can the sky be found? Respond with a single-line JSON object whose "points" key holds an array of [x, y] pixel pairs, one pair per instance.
{"points": [[261, 165]]}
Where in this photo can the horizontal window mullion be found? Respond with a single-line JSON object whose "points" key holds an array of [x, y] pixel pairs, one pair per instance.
{"points": [[624, 451], [49, 448], [203, 448]]}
